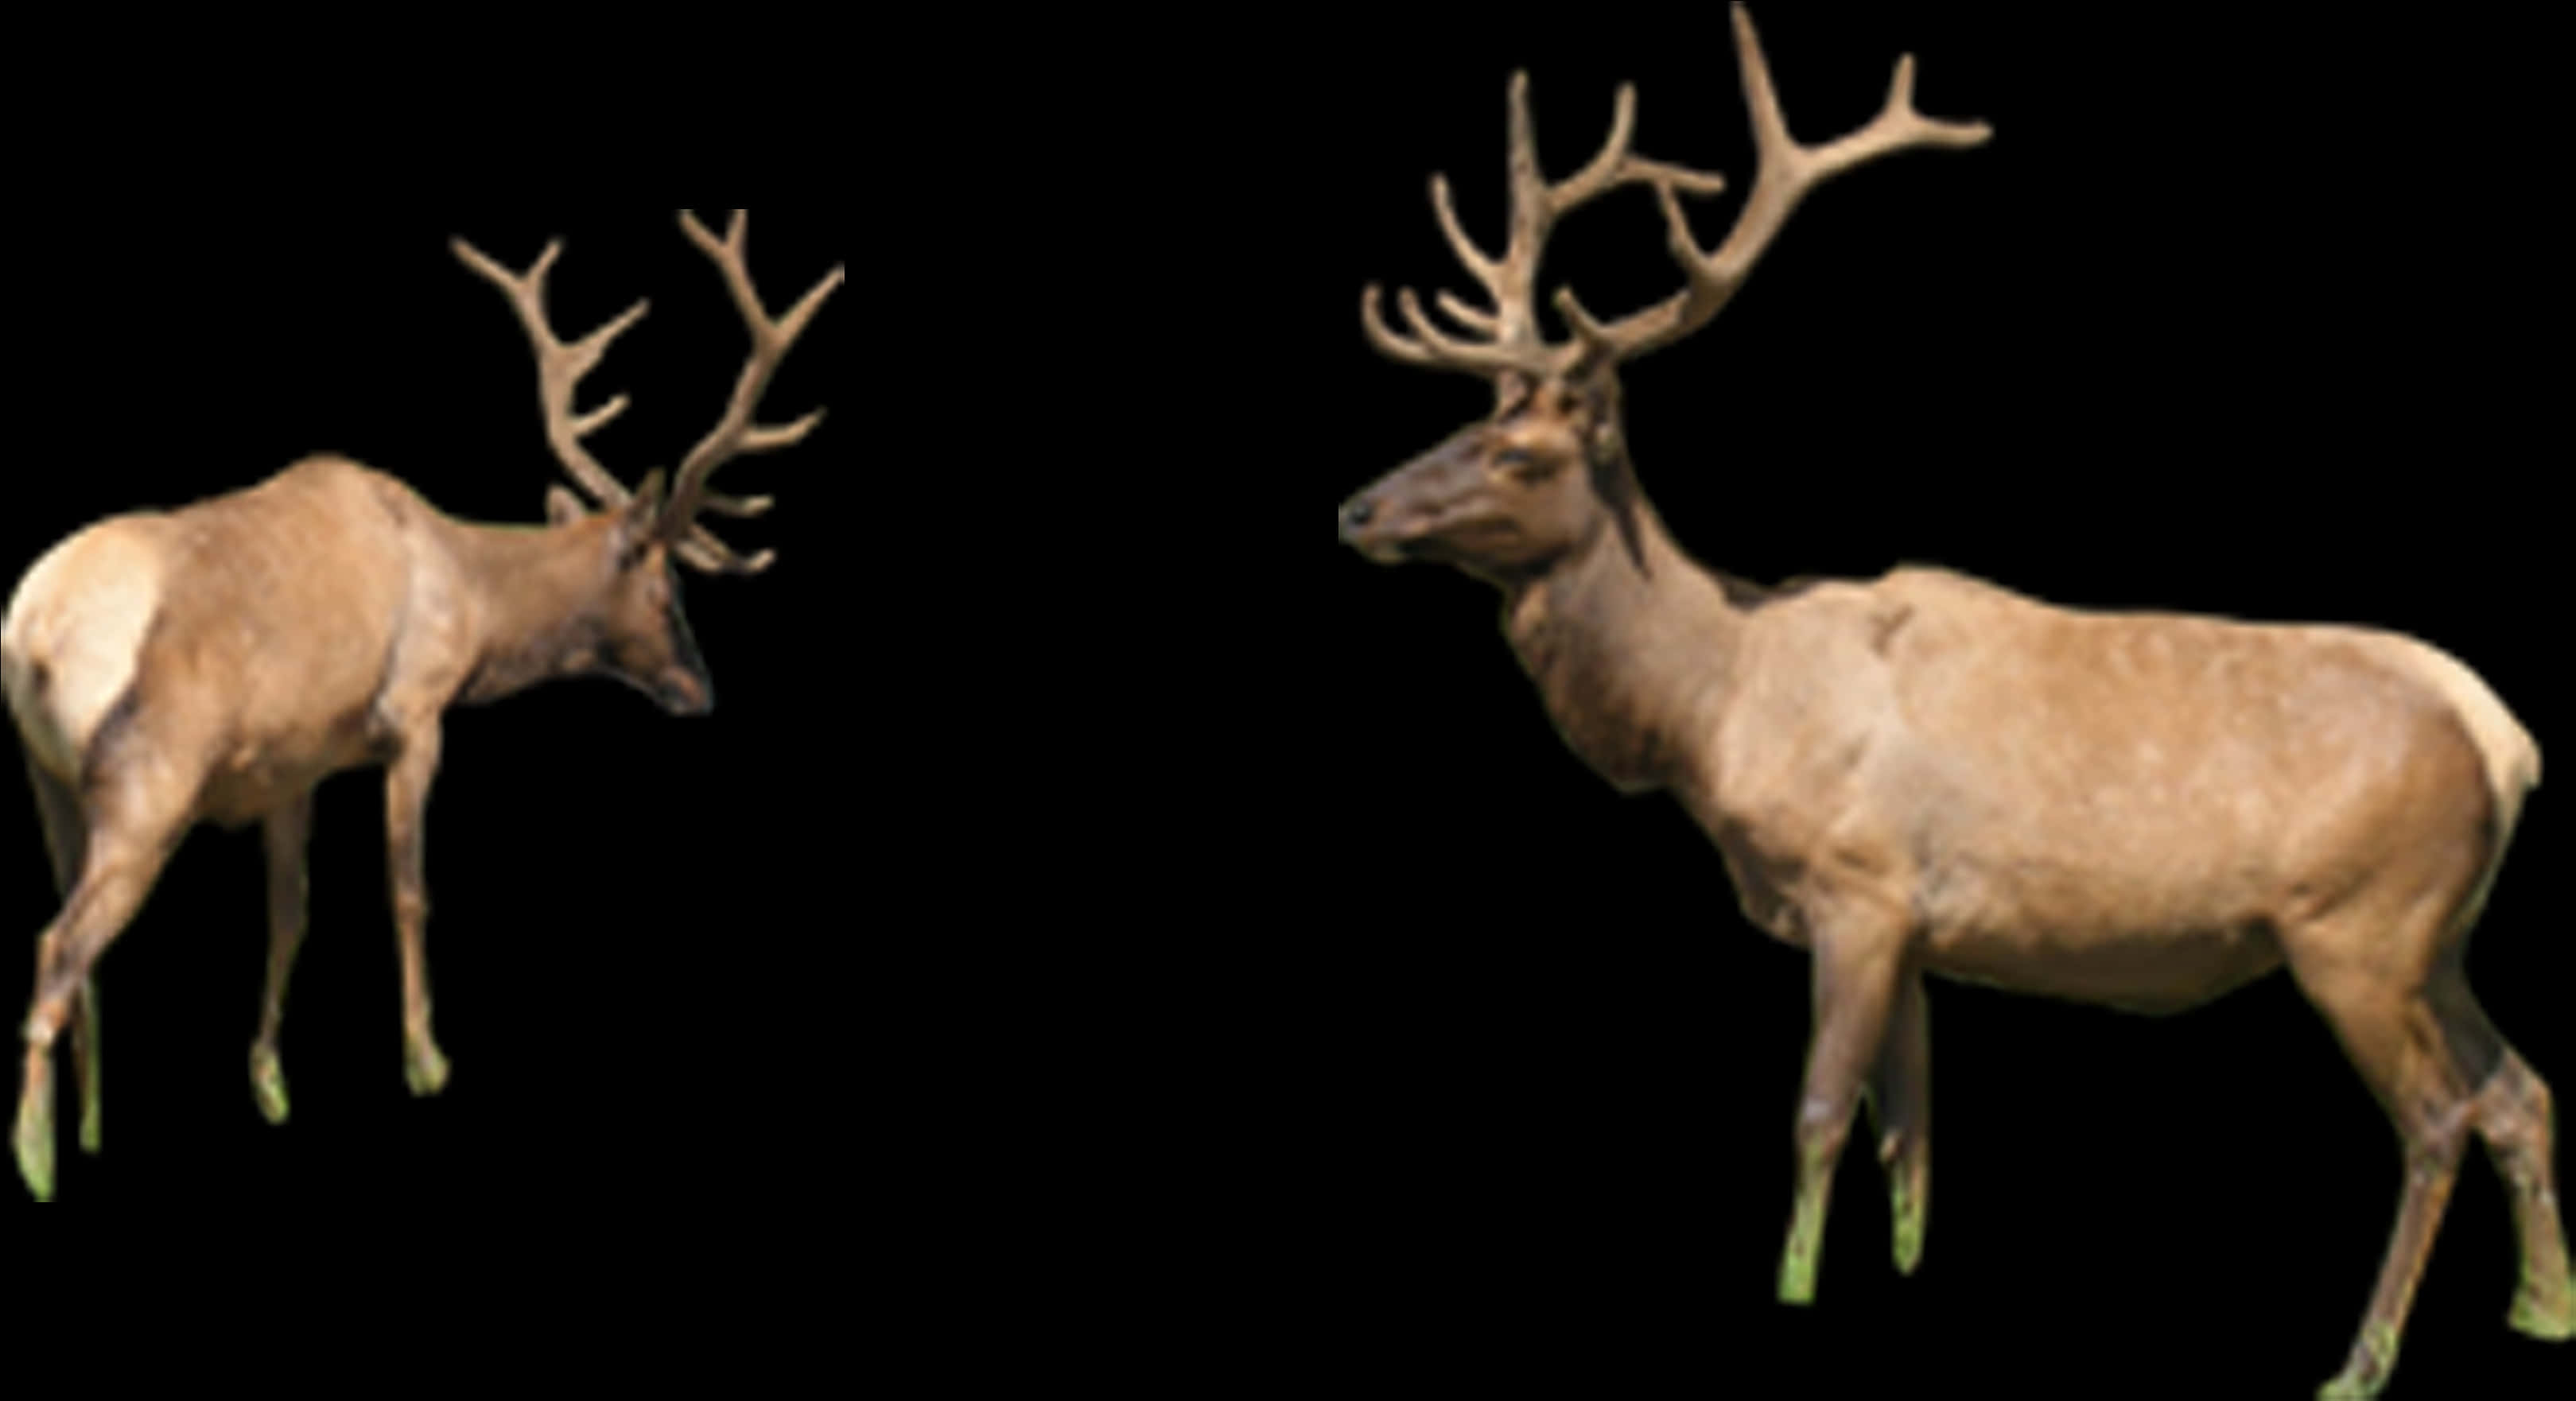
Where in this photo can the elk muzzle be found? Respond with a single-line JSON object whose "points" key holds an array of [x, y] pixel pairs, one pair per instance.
{"points": [[681, 685], [1379, 544], [1391, 520], [684, 692]]}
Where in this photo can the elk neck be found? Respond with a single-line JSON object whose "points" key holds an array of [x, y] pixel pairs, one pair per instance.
{"points": [[1632, 644], [534, 595]]}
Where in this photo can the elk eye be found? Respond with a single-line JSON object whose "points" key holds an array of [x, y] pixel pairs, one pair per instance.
{"points": [[1518, 459]]}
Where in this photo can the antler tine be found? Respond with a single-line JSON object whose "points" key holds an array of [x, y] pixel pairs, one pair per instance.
{"points": [[1483, 323], [736, 434], [1788, 171], [1507, 337], [560, 367]]}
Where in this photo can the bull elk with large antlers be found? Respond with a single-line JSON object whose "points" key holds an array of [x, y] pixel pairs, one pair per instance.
{"points": [[213, 664], [1929, 774]]}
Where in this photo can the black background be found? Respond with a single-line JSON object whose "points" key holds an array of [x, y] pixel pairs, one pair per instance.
{"points": [[1074, 852], [2250, 321], [611, 888]]}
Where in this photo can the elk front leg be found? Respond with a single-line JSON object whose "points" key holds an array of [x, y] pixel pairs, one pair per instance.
{"points": [[1900, 1096], [406, 798], [1859, 962], [285, 835]]}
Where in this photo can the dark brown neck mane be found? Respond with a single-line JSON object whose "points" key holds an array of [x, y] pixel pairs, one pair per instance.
{"points": [[535, 613], [1631, 648]]}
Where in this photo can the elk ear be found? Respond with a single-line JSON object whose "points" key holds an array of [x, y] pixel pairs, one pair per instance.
{"points": [[648, 500], [562, 507]]}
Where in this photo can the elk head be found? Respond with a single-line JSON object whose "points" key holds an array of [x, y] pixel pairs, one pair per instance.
{"points": [[1507, 496], [635, 629], [1548, 470]]}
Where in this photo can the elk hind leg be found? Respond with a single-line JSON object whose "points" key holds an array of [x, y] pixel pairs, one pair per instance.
{"points": [[66, 837], [2400, 1043], [117, 871], [2513, 1113]]}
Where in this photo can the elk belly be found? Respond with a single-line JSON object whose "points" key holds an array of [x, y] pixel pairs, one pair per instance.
{"points": [[255, 780], [2148, 877], [2170, 883], [2091, 934]]}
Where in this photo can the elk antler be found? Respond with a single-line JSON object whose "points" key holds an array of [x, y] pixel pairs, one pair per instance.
{"points": [[1788, 171], [735, 434], [1510, 332], [560, 369]]}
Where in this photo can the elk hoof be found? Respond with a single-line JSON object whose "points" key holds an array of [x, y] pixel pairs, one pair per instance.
{"points": [[89, 1118], [2367, 1373], [1907, 1209], [2552, 1319], [268, 1084], [35, 1140], [424, 1067], [1798, 1277]]}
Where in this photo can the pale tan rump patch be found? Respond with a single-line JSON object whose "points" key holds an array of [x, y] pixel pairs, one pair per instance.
{"points": [[2512, 756], [78, 621]]}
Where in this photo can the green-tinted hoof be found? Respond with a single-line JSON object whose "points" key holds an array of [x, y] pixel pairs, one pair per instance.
{"points": [[1909, 1242], [425, 1068], [35, 1144], [1906, 1210], [268, 1086], [1798, 1256], [89, 1128], [1798, 1279], [2368, 1371], [2551, 1321]]}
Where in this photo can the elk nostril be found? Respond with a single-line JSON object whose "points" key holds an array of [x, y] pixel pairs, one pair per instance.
{"points": [[1362, 512]]}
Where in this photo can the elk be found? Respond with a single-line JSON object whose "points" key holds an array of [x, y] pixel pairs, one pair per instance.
{"points": [[215, 663], [1928, 774]]}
